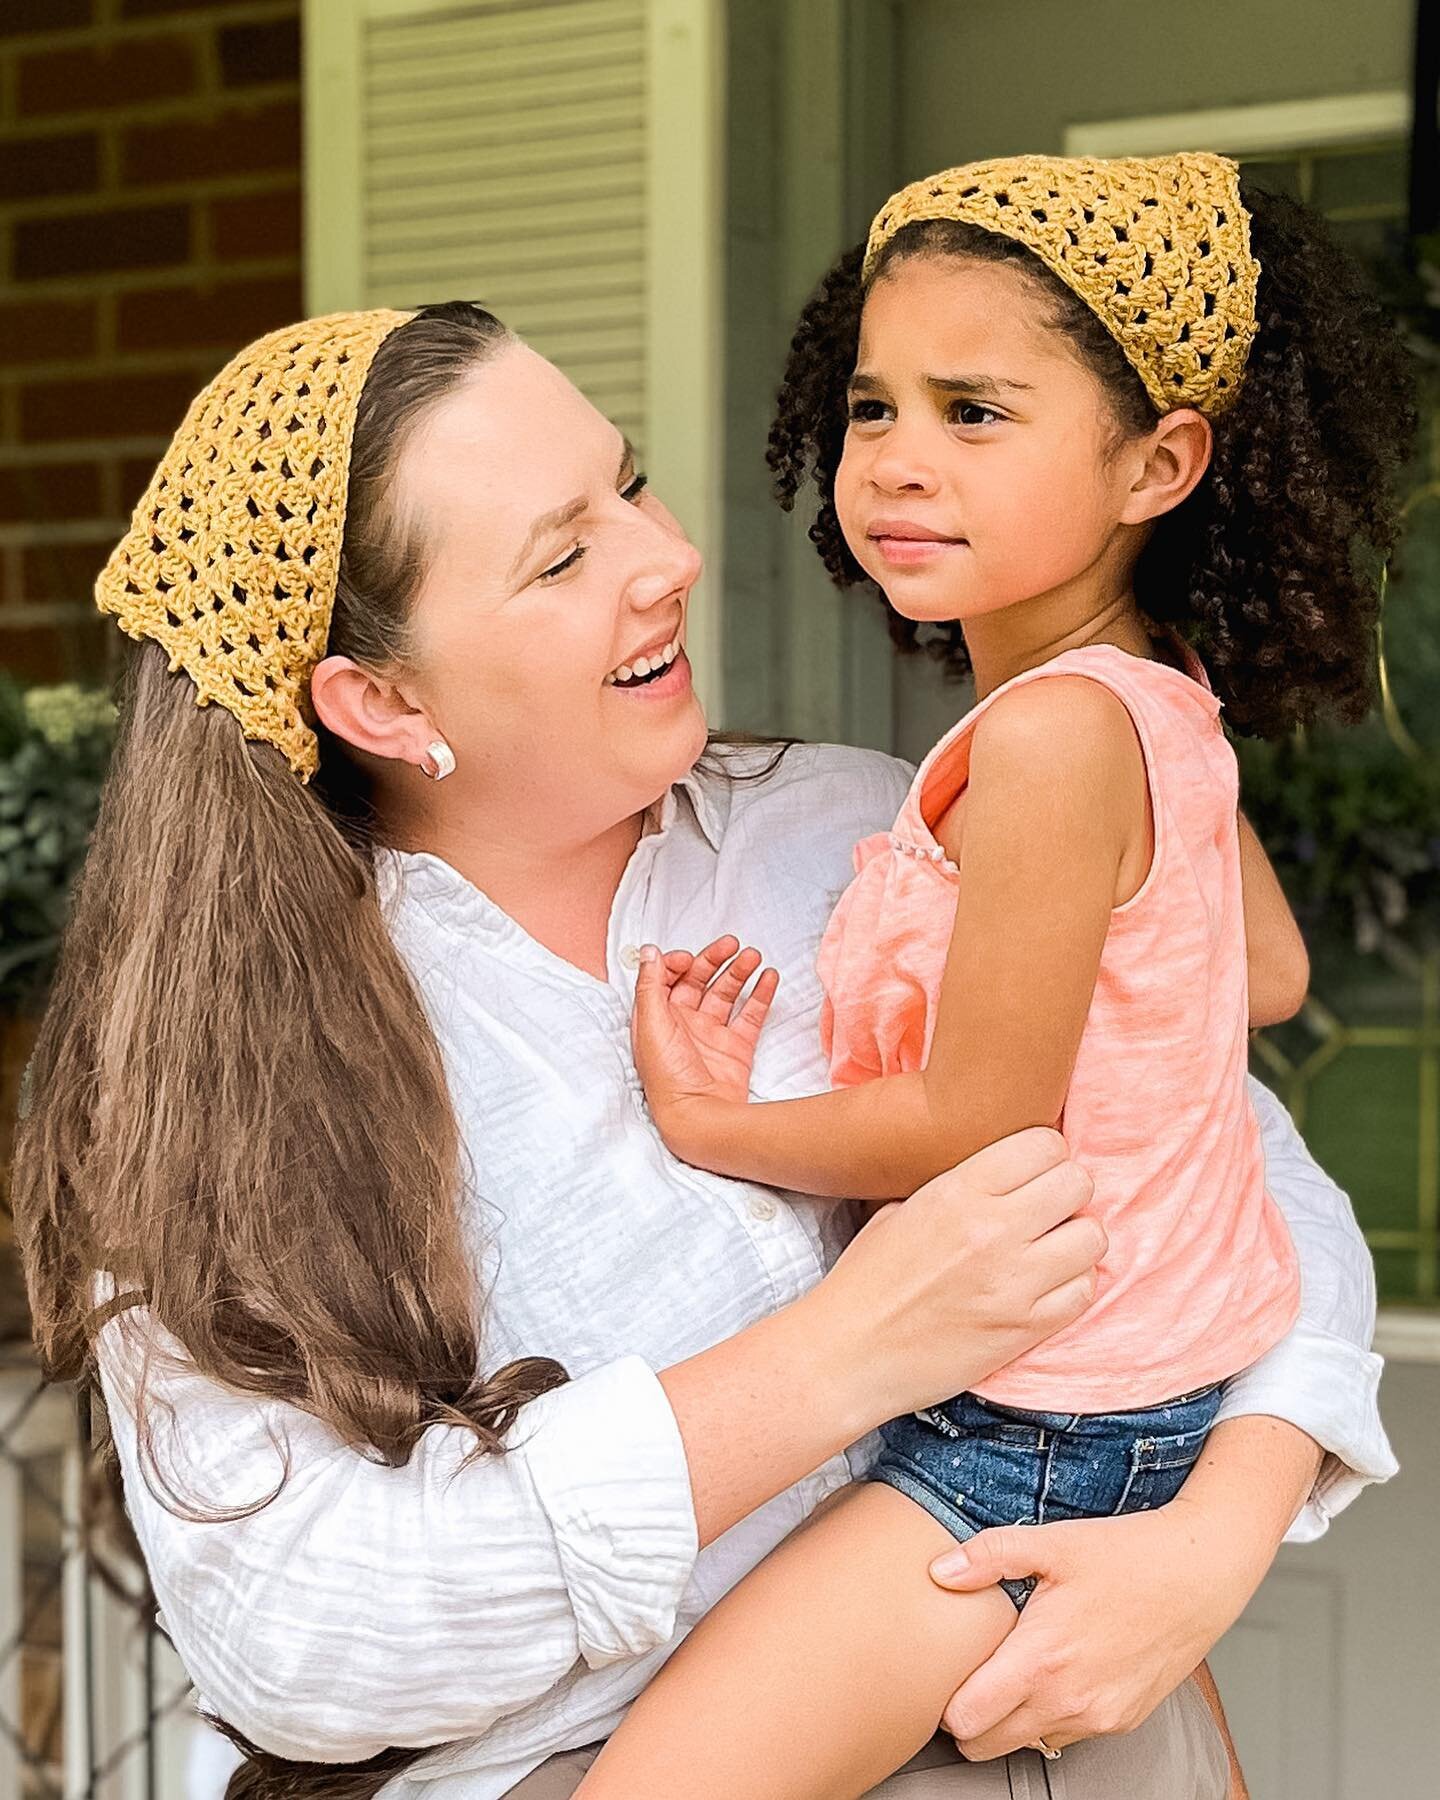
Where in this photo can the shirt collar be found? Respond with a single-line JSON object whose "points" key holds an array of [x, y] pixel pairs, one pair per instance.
{"points": [[708, 792], [420, 875]]}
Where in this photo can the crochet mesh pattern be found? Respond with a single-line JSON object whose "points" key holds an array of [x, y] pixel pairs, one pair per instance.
{"points": [[1157, 247], [233, 554]]}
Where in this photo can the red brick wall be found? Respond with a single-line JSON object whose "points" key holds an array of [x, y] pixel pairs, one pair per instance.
{"points": [[149, 226]]}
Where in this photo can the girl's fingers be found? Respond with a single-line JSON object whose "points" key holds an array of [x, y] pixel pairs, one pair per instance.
{"points": [[651, 983], [676, 964], [724, 990], [753, 1013], [689, 990]]}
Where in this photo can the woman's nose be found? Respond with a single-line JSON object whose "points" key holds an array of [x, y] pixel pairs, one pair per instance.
{"points": [[673, 566]]}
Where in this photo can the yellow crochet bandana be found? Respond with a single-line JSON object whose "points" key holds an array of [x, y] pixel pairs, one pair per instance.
{"points": [[1157, 247], [233, 555]]}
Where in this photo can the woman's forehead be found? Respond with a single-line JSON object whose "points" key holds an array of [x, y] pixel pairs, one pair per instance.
{"points": [[514, 439]]}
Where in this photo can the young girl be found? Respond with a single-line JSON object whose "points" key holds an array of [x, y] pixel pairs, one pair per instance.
{"points": [[1075, 415]]}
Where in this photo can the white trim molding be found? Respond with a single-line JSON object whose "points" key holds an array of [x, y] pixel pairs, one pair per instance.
{"points": [[1405, 1336], [1270, 128]]}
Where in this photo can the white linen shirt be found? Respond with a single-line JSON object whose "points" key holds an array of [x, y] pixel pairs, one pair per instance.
{"points": [[511, 1607]]}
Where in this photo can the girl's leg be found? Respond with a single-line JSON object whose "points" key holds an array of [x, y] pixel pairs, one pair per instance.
{"points": [[818, 1676], [1177, 1754]]}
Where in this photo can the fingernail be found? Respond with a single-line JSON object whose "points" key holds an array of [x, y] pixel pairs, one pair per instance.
{"points": [[649, 953], [954, 1562]]}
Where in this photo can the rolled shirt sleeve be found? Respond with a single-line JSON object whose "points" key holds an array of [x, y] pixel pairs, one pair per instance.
{"points": [[364, 1606], [1322, 1376]]}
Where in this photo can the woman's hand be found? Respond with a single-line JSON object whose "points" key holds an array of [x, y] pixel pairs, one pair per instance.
{"points": [[1128, 1607], [933, 1294], [979, 1265], [692, 1042]]}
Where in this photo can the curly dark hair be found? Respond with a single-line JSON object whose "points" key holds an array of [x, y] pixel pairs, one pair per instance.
{"points": [[1270, 567]]}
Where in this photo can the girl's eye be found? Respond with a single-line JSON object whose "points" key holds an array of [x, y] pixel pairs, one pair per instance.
{"points": [[559, 568], [636, 488], [966, 411], [866, 412]]}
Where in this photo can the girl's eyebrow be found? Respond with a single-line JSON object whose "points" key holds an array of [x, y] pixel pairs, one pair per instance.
{"points": [[985, 387], [991, 387], [560, 516]]}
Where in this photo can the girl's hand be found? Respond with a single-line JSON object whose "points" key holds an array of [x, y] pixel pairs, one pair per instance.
{"points": [[1126, 1609], [693, 1046]]}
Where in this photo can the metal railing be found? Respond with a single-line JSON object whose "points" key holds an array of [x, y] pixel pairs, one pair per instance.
{"points": [[94, 1704]]}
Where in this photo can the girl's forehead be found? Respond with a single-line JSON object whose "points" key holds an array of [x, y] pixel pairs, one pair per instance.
{"points": [[956, 306]]}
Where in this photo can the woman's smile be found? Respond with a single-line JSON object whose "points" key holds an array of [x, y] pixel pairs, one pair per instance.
{"points": [[650, 668]]}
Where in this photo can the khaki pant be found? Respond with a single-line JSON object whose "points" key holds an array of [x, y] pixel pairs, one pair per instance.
{"points": [[1175, 1755]]}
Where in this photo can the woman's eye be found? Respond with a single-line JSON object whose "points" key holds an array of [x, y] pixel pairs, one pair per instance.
{"points": [[568, 562], [636, 488], [970, 412]]}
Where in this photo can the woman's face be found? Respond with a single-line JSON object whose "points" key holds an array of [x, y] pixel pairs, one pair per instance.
{"points": [[554, 579]]}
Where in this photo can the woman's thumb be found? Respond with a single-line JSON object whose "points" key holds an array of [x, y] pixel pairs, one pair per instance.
{"points": [[1004, 1553]]}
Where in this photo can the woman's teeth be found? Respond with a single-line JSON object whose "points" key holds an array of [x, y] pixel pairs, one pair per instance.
{"points": [[644, 667]]}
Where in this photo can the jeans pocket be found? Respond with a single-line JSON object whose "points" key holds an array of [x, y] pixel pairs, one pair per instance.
{"points": [[1158, 1468]]}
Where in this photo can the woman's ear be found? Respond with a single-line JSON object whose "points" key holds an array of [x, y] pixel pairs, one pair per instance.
{"points": [[1178, 454], [368, 712]]}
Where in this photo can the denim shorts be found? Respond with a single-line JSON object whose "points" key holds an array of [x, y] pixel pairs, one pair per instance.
{"points": [[972, 1464]]}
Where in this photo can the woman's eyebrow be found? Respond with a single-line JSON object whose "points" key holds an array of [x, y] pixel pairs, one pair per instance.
{"points": [[560, 516], [555, 520]]}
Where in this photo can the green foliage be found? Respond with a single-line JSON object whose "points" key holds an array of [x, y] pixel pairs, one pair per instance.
{"points": [[54, 746], [1352, 824]]}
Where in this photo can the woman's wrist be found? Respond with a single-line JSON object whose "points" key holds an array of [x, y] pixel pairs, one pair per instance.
{"points": [[761, 1410], [1252, 1480]]}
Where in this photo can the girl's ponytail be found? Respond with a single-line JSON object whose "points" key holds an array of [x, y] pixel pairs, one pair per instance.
{"points": [[1272, 566]]}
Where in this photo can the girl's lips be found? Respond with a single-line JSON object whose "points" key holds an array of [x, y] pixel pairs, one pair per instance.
{"points": [[912, 552]]}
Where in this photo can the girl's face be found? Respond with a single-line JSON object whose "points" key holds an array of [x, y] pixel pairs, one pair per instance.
{"points": [[977, 470], [551, 569]]}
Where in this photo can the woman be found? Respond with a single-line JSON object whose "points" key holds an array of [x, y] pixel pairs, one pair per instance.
{"points": [[334, 1106]]}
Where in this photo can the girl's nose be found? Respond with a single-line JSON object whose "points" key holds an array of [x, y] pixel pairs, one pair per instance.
{"points": [[900, 464]]}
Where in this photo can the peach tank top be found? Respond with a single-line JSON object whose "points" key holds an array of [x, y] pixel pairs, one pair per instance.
{"points": [[1200, 1277]]}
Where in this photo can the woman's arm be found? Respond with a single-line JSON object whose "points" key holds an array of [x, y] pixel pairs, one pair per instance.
{"points": [[1297, 1438], [1322, 1377], [1275, 955], [328, 1605], [1056, 800]]}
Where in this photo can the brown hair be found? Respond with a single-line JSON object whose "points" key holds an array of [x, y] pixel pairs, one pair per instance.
{"points": [[238, 1108]]}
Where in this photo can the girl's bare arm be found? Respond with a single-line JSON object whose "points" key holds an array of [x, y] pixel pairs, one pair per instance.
{"points": [[1055, 816]]}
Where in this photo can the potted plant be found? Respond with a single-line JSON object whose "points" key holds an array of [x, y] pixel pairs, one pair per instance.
{"points": [[54, 746]]}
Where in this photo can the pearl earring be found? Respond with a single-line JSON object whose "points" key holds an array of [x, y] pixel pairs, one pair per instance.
{"points": [[438, 760]]}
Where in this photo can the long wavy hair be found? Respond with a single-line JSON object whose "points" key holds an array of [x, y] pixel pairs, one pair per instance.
{"points": [[238, 1114], [1270, 567]]}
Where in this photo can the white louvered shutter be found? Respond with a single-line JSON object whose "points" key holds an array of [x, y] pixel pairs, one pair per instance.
{"points": [[557, 161]]}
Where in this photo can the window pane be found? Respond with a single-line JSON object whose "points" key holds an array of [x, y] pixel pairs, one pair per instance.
{"points": [[1281, 177], [1361, 178]]}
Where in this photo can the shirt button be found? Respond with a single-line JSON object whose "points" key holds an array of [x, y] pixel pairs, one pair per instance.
{"points": [[630, 956], [763, 1208]]}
